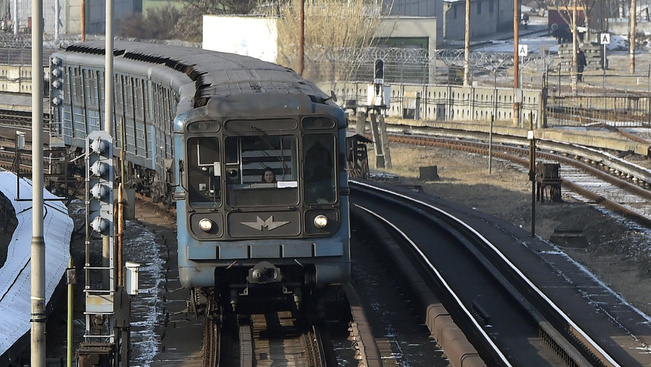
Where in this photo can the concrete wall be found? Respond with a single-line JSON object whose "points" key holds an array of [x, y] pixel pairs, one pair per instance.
{"points": [[446, 103], [16, 79], [416, 27], [418, 9], [486, 17], [243, 35], [96, 13], [70, 15]]}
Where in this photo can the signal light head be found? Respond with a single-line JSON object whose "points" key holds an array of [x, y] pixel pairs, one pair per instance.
{"points": [[99, 169], [99, 191], [99, 224], [98, 145]]}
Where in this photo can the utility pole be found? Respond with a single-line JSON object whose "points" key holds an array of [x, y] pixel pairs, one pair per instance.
{"points": [[466, 64], [83, 21], [575, 41], [15, 17], [108, 114], [38, 316], [631, 45], [301, 39], [516, 60]]}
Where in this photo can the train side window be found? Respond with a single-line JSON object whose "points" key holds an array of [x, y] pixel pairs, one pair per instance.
{"points": [[319, 169], [204, 170]]}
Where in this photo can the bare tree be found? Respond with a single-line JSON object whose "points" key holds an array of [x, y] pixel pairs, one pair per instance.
{"points": [[158, 24], [189, 25], [587, 7], [334, 29]]}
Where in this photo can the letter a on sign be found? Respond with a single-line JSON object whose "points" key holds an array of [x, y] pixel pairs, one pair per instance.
{"points": [[605, 38], [523, 50]]}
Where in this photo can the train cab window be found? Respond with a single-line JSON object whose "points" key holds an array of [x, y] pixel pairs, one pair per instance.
{"points": [[319, 169], [246, 160], [204, 170]]}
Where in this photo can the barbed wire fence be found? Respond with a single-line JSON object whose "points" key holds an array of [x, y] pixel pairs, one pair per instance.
{"points": [[402, 65], [411, 65], [417, 66]]}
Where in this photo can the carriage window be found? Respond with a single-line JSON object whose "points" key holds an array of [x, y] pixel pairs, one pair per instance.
{"points": [[261, 170], [319, 169], [204, 170]]}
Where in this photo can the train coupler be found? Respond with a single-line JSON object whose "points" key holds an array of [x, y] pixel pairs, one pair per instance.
{"points": [[264, 272], [297, 297]]}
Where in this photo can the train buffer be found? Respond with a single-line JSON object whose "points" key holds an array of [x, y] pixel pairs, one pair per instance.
{"points": [[548, 181]]}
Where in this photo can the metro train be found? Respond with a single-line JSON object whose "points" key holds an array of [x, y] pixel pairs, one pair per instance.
{"points": [[199, 128]]}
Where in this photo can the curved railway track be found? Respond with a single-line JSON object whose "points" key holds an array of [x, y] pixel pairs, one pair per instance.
{"points": [[536, 321], [501, 310], [598, 177]]}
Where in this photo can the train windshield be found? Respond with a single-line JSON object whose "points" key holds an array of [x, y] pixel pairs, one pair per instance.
{"points": [[261, 170], [204, 171], [319, 170]]}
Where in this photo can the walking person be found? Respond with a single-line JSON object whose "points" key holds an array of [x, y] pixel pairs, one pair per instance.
{"points": [[581, 63]]}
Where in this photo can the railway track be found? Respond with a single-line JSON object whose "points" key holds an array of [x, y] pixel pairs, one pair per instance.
{"points": [[477, 307], [498, 305], [616, 184], [270, 339]]}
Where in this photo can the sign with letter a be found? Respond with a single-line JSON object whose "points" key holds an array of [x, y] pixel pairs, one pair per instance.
{"points": [[605, 38]]}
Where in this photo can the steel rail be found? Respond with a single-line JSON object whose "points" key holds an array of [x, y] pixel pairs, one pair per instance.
{"points": [[574, 329], [403, 133], [487, 339], [482, 148]]}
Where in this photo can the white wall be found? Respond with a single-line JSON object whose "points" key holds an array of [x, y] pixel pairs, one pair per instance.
{"points": [[412, 27], [249, 36]]}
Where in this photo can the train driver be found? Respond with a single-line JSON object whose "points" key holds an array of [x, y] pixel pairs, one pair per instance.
{"points": [[268, 176]]}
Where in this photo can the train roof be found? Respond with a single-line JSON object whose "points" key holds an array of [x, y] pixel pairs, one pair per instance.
{"points": [[215, 74]]}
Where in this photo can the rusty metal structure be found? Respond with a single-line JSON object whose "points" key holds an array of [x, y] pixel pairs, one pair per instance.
{"points": [[548, 180]]}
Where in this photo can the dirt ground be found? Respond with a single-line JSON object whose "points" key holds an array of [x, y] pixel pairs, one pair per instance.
{"points": [[618, 252]]}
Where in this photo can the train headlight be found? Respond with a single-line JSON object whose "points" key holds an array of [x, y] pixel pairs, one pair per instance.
{"points": [[320, 221], [206, 224]]}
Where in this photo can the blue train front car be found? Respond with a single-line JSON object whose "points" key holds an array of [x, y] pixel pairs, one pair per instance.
{"points": [[202, 127], [250, 239]]}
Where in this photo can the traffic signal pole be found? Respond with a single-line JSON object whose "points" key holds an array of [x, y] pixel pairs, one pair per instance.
{"points": [[38, 318]]}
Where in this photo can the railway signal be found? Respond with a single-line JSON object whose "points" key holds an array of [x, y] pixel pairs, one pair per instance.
{"points": [[99, 168], [100, 287]]}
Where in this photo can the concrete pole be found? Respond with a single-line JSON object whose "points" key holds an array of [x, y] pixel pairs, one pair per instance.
{"points": [[15, 18], [516, 60], [575, 41], [466, 63], [83, 21], [57, 11], [631, 44], [38, 317], [71, 309], [108, 127], [301, 39], [108, 71]]}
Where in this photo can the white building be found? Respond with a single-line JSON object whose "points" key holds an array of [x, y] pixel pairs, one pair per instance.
{"points": [[68, 13]]}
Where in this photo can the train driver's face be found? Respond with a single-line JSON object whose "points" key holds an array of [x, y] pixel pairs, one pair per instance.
{"points": [[269, 176]]}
